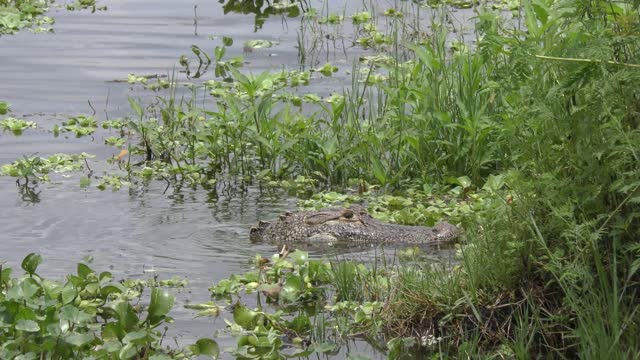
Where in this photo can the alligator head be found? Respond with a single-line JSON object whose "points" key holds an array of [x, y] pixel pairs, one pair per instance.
{"points": [[351, 225]]}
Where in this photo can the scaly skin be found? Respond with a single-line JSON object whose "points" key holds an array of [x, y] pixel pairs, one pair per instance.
{"points": [[352, 225]]}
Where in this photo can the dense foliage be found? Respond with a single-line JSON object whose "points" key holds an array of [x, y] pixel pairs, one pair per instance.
{"points": [[90, 316]]}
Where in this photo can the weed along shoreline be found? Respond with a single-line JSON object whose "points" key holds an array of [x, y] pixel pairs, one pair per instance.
{"points": [[139, 145]]}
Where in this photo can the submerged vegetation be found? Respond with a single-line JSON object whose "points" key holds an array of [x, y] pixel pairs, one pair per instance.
{"points": [[529, 136]]}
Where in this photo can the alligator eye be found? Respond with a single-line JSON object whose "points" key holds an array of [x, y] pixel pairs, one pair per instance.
{"points": [[348, 214]]}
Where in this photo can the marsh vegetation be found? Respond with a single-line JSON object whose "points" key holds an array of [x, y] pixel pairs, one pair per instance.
{"points": [[526, 135]]}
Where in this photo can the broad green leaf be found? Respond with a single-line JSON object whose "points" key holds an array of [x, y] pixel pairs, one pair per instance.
{"points": [[27, 325], [292, 288], [68, 293], [244, 317], [112, 346], [5, 275], [205, 347], [31, 262], [51, 288], [127, 316], [105, 276], [113, 288], [25, 290], [113, 332], [219, 52], [78, 339], [84, 270], [494, 182], [74, 315], [160, 303], [128, 351], [299, 257], [136, 337], [249, 339], [464, 181]]}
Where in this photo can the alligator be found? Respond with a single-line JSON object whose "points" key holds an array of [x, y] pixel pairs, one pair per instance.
{"points": [[352, 225]]}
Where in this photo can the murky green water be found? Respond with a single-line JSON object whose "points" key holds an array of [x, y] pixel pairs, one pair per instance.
{"points": [[136, 232]]}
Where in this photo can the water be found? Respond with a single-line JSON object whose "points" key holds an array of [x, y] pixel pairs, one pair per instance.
{"points": [[62, 72], [46, 77], [136, 232]]}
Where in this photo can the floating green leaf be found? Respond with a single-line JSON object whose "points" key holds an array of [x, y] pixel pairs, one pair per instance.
{"points": [[206, 347], [16, 126]]}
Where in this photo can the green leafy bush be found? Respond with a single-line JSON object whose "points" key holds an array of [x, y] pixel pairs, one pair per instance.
{"points": [[89, 315]]}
